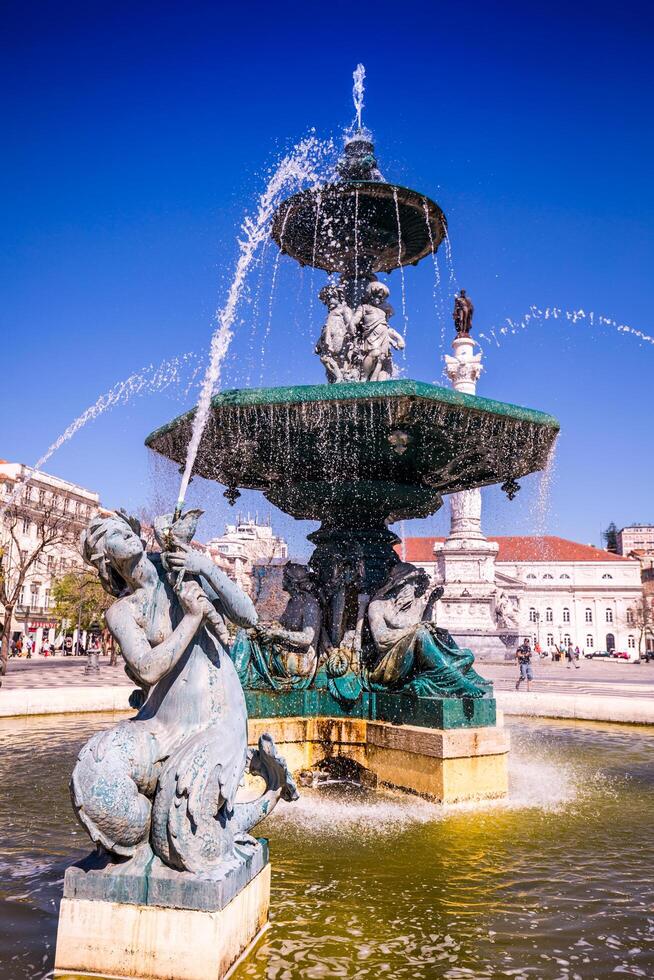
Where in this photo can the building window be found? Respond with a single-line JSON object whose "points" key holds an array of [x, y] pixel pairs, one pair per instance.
{"points": [[565, 576], [21, 596], [550, 640], [46, 598], [566, 639], [566, 615], [531, 575], [631, 643], [610, 642], [548, 576], [590, 642], [532, 615], [41, 497], [589, 615], [630, 617], [609, 615], [549, 615], [607, 576], [26, 525]]}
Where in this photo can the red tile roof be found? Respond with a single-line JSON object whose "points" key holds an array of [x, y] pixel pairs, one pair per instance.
{"points": [[514, 548]]}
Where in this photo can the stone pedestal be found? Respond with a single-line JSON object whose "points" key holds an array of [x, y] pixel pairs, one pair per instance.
{"points": [[447, 766], [161, 924]]}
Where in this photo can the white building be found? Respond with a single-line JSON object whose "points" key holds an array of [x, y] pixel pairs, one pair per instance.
{"points": [[636, 537], [34, 498], [242, 545], [562, 591]]}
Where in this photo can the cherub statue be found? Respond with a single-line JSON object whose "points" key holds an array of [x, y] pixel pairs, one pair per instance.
{"points": [[284, 654], [335, 344], [166, 780], [412, 652], [375, 337], [462, 314]]}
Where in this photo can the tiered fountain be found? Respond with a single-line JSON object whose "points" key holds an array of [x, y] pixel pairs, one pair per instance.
{"points": [[356, 668], [357, 454]]}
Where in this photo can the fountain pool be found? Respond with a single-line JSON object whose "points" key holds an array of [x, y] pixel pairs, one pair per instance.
{"points": [[556, 881]]}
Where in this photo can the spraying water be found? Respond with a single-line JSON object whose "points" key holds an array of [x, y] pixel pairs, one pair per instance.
{"points": [[358, 75], [399, 262], [153, 378], [295, 170], [511, 327]]}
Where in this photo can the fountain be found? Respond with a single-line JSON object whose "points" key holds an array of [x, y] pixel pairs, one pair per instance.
{"points": [[357, 656], [355, 670]]}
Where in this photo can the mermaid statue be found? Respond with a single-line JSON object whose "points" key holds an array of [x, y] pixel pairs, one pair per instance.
{"points": [[162, 786]]}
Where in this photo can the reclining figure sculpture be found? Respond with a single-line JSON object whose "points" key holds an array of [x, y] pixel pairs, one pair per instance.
{"points": [[164, 784]]}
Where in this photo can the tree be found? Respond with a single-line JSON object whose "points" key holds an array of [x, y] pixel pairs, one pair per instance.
{"points": [[610, 538], [79, 597], [22, 554], [640, 617]]}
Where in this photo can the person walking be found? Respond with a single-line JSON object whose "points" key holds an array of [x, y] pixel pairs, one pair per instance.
{"points": [[523, 656], [570, 657]]}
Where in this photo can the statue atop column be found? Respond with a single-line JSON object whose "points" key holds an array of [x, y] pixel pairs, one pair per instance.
{"points": [[462, 314]]}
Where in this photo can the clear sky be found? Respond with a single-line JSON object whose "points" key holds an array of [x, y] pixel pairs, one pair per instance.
{"points": [[136, 135]]}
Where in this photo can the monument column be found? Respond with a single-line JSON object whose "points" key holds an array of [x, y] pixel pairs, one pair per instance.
{"points": [[473, 609]]}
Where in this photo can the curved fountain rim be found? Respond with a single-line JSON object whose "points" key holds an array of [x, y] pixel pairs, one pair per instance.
{"points": [[363, 391], [407, 196]]}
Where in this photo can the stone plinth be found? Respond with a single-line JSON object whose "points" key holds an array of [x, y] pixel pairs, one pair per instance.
{"points": [[447, 766], [162, 924]]}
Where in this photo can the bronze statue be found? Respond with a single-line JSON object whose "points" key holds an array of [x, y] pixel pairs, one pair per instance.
{"points": [[462, 315]]}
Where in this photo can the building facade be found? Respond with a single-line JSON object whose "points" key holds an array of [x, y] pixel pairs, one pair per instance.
{"points": [[244, 544], [29, 501], [636, 537], [561, 591]]}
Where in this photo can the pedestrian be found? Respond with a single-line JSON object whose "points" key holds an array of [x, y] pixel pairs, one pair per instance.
{"points": [[523, 656], [577, 652], [570, 657]]}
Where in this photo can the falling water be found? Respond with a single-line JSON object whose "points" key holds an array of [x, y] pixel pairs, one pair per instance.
{"points": [[271, 299], [436, 291], [150, 379], [511, 327], [358, 75], [543, 497], [399, 262], [296, 169], [450, 262], [356, 243]]}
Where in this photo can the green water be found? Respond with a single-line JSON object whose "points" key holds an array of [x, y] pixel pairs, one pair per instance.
{"points": [[556, 883]]}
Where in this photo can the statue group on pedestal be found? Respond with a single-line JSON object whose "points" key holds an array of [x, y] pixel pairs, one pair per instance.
{"points": [[356, 345], [162, 786], [335, 635]]}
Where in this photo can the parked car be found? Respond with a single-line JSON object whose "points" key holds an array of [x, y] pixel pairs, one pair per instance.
{"points": [[598, 653], [621, 655]]}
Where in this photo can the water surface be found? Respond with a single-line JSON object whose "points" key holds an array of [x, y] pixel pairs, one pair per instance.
{"points": [[557, 882]]}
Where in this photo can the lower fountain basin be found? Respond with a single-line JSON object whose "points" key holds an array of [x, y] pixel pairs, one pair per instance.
{"points": [[361, 451], [546, 882]]}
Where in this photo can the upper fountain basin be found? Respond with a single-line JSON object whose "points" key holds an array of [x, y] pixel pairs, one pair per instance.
{"points": [[363, 452], [358, 227]]}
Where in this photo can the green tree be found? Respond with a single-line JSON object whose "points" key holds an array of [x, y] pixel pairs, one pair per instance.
{"points": [[79, 596]]}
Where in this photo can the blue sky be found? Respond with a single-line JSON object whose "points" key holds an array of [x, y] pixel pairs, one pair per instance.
{"points": [[137, 135]]}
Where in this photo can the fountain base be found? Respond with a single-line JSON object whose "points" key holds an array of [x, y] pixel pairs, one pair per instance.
{"points": [[167, 924], [443, 765]]}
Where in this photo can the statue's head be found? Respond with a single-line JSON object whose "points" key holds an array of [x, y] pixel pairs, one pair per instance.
{"points": [[462, 293], [377, 293], [332, 296], [109, 543], [297, 578], [405, 581]]}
